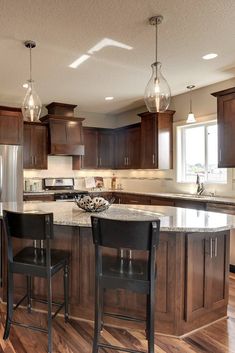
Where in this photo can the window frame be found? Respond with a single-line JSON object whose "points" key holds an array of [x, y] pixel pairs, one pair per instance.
{"points": [[180, 153]]}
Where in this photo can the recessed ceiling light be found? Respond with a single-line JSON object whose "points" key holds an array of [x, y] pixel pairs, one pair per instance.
{"points": [[25, 85], [209, 56], [79, 61], [108, 98]]}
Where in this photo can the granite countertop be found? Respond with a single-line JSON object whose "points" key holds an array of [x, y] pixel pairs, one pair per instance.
{"points": [[190, 197], [173, 219]]}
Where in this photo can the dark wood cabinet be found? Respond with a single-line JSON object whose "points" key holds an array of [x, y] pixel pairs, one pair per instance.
{"points": [[134, 199], [226, 127], [35, 146], [65, 137], [127, 147], [207, 257], [11, 126], [98, 149], [39, 197], [158, 201], [157, 140]]}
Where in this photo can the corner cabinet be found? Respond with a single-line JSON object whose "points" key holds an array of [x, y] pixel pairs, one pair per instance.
{"points": [[35, 145], [11, 126], [157, 140], [98, 149], [226, 127]]}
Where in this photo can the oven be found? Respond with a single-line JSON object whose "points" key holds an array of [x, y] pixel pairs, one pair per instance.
{"points": [[63, 189]]}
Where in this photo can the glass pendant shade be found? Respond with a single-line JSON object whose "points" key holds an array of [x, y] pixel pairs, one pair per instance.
{"points": [[31, 106], [157, 92], [191, 118]]}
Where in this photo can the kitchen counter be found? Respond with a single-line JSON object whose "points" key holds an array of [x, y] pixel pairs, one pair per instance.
{"points": [[179, 196], [173, 219], [192, 264]]}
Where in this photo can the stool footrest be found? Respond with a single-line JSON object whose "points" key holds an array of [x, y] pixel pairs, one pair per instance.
{"points": [[20, 301], [124, 317], [35, 328], [58, 310], [44, 301], [122, 349]]}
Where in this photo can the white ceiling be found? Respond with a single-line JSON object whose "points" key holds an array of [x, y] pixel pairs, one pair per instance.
{"points": [[66, 29]]}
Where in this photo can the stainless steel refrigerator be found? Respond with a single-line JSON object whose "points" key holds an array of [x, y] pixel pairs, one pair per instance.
{"points": [[11, 173]]}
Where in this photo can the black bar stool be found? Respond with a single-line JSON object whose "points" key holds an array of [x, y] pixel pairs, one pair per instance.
{"points": [[34, 262], [126, 273]]}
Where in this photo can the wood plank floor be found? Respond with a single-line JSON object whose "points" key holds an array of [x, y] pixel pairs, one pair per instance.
{"points": [[76, 336]]}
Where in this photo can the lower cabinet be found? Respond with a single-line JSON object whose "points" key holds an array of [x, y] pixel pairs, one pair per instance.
{"points": [[207, 265], [131, 199], [44, 197], [162, 201]]}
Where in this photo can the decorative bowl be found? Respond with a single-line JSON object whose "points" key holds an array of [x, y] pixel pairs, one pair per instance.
{"points": [[93, 204]]}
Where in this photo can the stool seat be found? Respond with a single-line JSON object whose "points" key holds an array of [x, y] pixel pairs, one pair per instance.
{"points": [[31, 260]]}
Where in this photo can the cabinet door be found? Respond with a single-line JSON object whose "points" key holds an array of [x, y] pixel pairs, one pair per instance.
{"points": [[133, 147], [148, 142], [90, 158], [40, 146], [197, 251], [207, 266], [73, 132], [106, 149], [120, 150], [217, 271], [161, 202], [11, 128], [28, 161], [226, 131]]}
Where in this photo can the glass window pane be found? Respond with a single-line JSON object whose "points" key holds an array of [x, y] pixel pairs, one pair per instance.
{"points": [[194, 153]]}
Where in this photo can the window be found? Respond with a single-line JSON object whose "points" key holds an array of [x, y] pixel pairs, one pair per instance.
{"points": [[198, 154]]}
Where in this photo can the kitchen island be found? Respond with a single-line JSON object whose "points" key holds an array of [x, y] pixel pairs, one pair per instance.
{"points": [[192, 264]]}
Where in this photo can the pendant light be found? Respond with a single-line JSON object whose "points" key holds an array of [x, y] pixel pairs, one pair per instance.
{"points": [[191, 118], [157, 92], [31, 106]]}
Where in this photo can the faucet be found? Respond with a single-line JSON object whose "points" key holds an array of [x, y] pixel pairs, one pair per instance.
{"points": [[200, 186]]}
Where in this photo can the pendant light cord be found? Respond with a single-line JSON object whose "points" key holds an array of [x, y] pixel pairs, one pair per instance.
{"points": [[30, 63], [156, 41]]}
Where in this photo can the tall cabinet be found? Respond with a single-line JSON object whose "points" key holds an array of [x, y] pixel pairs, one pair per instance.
{"points": [[157, 140]]}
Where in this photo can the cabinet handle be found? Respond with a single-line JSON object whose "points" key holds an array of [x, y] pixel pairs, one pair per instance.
{"points": [[97, 161], [134, 201], [127, 160], [153, 158], [32, 161], [119, 200], [100, 161], [211, 248], [216, 247], [35, 160], [220, 154]]}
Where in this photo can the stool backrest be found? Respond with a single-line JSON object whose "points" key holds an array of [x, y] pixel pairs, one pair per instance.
{"points": [[134, 235], [33, 226]]}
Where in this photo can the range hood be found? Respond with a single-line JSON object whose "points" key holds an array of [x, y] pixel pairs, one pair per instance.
{"points": [[65, 130]]}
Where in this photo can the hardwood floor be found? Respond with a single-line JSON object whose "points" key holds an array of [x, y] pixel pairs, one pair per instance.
{"points": [[76, 336]]}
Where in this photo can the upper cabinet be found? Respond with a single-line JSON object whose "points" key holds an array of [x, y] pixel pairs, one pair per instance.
{"points": [[127, 147], [11, 126], [157, 140], [65, 131], [35, 145], [99, 152], [226, 127]]}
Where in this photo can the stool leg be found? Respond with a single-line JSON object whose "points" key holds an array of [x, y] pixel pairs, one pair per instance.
{"points": [[98, 313], [9, 305], [66, 292], [29, 293], [49, 314], [150, 319]]}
